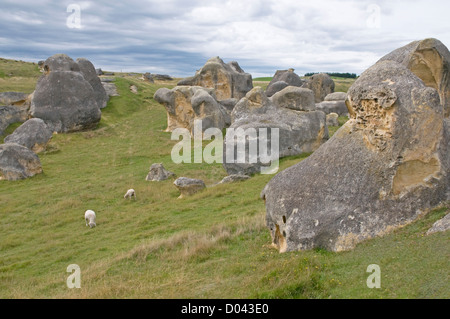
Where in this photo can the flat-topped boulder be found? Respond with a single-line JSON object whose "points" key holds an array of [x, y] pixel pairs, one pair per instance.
{"points": [[188, 186], [283, 79]]}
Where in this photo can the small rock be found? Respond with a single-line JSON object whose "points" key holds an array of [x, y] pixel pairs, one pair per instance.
{"points": [[234, 178], [188, 186], [440, 226], [158, 173]]}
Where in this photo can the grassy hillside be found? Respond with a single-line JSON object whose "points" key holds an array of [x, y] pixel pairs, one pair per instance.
{"points": [[211, 245]]}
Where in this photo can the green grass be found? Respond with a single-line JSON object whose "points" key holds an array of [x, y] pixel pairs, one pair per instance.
{"points": [[18, 76], [212, 245]]}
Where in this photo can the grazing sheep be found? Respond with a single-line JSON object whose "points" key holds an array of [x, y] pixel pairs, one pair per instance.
{"points": [[89, 216], [130, 193]]}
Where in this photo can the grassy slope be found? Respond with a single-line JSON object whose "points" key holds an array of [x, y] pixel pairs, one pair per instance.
{"points": [[212, 245]]}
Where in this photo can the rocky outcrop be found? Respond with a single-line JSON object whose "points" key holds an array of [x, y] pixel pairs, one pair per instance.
{"points": [[188, 186], [63, 98], [228, 80], [33, 134], [255, 119], [321, 84], [18, 162], [158, 173], [185, 104], [283, 79], [392, 167], [429, 60]]}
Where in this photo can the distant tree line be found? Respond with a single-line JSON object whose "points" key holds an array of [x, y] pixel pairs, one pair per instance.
{"points": [[336, 74]]}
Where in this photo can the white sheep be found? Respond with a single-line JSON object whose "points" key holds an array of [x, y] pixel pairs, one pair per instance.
{"points": [[89, 216], [130, 193]]}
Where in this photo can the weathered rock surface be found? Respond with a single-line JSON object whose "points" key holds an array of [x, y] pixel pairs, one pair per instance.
{"points": [[295, 98], [441, 225], [393, 166], [256, 114], [338, 107], [321, 84], [9, 115], [185, 104], [332, 119], [90, 75], [228, 80], [336, 96], [18, 162], [34, 134], [158, 173], [63, 98], [428, 59], [13, 98], [188, 186], [282, 79]]}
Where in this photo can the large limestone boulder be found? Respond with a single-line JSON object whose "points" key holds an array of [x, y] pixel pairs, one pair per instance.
{"points": [[283, 79], [428, 59], [64, 98], [185, 104], [90, 75], [321, 84], [390, 166], [34, 134], [13, 98], [295, 98], [8, 115], [227, 79], [256, 114], [18, 162]]}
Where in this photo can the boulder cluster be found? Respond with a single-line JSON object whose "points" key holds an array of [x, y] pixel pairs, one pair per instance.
{"points": [[68, 97], [386, 167], [222, 96]]}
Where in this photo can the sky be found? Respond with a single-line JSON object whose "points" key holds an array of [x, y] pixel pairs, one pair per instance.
{"points": [[177, 37]]}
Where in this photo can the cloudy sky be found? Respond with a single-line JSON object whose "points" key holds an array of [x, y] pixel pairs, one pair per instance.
{"points": [[177, 37]]}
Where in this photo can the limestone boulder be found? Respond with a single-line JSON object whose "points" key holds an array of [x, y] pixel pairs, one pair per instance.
{"points": [[321, 84], [90, 75], [295, 98], [227, 79], [429, 59], [63, 98], [254, 121], [18, 162], [185, 104], [393, 166], [188, 186], [9, 115], [283, 79], [158, 173], [34, 134]]}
